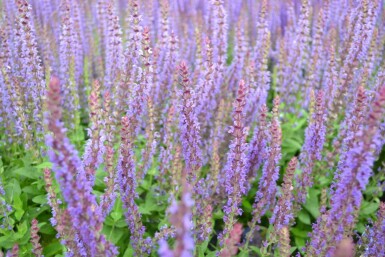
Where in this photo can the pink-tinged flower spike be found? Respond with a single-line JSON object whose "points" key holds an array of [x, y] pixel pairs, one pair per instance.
{"points": [[37, 249], [283, 211], [114, 51], [257, 146], [31, 68], [14, 252], [142, 84], [107, 154], [267, 188], [205, 106], [233, 241], [234, 171], [311, 151], [180, 218], [127, 181], [76, 189], [60, 218], [217, 139], [354, 176], [151, 135], [91, 152], [374, 238], [189, 126]]}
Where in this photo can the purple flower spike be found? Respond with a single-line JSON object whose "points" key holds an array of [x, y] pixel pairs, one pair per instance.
{"points": [[235, 169], [71, 176]]}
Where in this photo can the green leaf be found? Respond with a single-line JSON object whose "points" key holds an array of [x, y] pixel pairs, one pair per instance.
{"points": [[46, 228], [202, 248], [312, 203], [114, 234], [297, 232], [117, 212], [28, 172], [304, 217], [218, 214], [32, 190], [40, 199], [52, 249], [44, 165], [7, 241], [247, 207], [21, 230], [149, 204], [12, 188], [129, 251], [369, 208], [255, 249], [299, 242], [18, 206]]}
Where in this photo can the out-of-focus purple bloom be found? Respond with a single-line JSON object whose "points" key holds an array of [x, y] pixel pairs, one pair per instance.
{"points": [[182, 222]]}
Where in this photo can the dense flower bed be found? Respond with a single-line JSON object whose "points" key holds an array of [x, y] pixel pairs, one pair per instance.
{"points": [[180, 128]]}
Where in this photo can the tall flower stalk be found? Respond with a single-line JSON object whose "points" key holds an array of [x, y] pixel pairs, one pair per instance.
{"points": [[234, 171]]}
